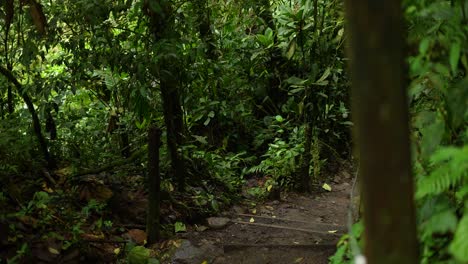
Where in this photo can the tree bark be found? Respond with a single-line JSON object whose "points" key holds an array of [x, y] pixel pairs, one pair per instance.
{"points": [[380, 114], [306, 157], [153, 225]]}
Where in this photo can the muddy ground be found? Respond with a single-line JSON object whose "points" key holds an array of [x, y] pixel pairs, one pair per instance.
{"points": [[297, 228]]}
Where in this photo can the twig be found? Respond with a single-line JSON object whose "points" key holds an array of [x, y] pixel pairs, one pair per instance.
{"points": [[49, 177], [287, 228]]}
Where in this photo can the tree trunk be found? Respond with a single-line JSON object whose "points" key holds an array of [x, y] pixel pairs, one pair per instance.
{"points": [[174, 124], [162, 20], [306, 157], [10, 103], [153, 226], [380, 114]]}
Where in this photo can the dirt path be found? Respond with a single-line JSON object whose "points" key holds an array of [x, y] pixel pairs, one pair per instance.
{"points": [[296, 229]]}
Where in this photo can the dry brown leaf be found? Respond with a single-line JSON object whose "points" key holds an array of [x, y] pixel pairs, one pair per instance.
{"points": [[137, 235]]}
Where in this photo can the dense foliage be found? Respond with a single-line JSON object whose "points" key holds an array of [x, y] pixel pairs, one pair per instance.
{"points": [[241, 90]]}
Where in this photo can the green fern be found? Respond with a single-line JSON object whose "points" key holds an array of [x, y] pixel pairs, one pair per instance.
{"points": [[459, 246], [450, 169]]}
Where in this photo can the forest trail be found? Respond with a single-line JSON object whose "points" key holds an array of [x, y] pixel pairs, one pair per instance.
{"points": [[297, 228]]}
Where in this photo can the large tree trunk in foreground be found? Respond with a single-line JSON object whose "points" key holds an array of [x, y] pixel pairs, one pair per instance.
{"points": [[380, 113]]}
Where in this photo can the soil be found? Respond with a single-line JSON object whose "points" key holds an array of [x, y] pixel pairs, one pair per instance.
{"points": [[297, 228]]}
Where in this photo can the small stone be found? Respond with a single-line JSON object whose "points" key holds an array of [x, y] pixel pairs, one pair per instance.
{"points": [[276, 202], [238, 210], [187, 253], [217, 222]]}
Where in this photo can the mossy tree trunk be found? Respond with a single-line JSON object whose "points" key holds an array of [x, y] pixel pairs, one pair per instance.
{"points": [[380, 113]]}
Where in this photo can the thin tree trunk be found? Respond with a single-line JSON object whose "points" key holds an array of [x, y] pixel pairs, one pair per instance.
{"points": [[10, 103], [161, 20], [173, 119], [153, 225], [380, 113], [306, 157]]}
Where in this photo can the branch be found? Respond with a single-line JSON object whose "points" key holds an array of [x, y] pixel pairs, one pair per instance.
{"points": [[5, 72]]}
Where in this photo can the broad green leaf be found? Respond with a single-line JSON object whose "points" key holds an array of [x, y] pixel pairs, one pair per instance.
{"points": [[138, 255], [322, 79], [269, 33], [207, 121], [326, 187], [279, 118], [424, 46], [200, 139], [297, 90], [179, 227], [455, 56], [295, 81], [215, 205], [153, 261], [291, 49]]}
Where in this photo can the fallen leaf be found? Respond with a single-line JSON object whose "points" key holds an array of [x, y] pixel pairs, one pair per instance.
{"points": [[251, 220], [269, 187], [201, 228], [254, 211], [269, 207], [138, 236], [117, 251], [54, 251], [204, 262], [299, 260], [326, 187], [332, 231]]}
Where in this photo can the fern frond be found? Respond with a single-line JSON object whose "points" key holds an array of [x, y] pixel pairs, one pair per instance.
{"points": [[459, 246], [451, 168], [260, 168]]}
